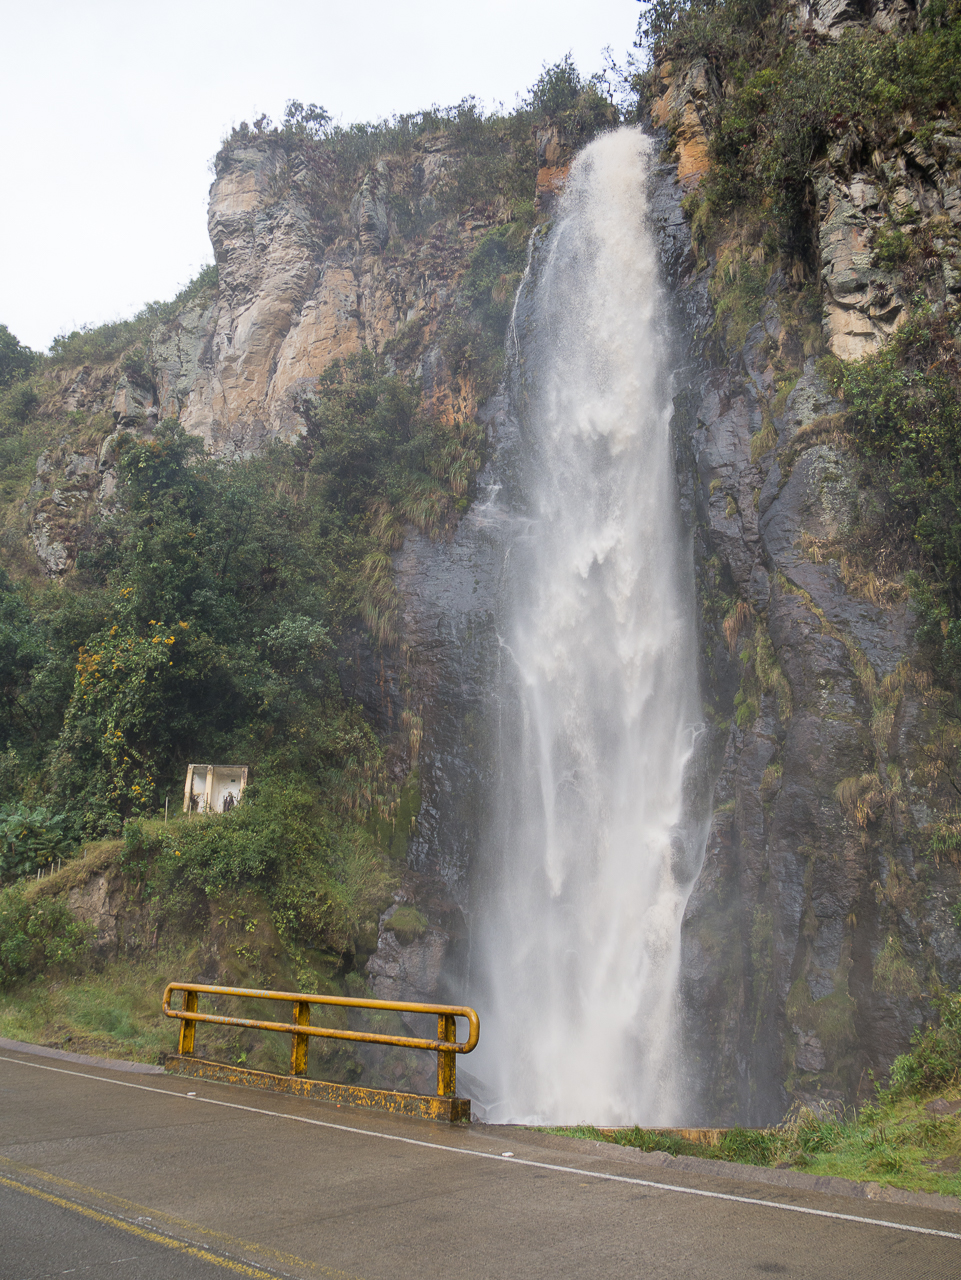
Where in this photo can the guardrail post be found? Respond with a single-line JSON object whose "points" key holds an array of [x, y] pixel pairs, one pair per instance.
{"points": [[188, 1026], [298, 1044], [446, 1062]]}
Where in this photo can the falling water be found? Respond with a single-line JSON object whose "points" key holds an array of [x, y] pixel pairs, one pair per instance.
{"points": [[593, 849]]}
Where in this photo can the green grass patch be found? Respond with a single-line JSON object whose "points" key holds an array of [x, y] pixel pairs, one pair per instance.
{"points": [[114, 1014], [902, 1144], [117, 1013]]}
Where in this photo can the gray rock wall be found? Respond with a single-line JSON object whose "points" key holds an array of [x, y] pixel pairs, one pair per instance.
{"points": [[817, 928]]}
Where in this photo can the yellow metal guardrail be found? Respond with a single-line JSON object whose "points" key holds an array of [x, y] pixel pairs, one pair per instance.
{"points": [[300, 1029]]}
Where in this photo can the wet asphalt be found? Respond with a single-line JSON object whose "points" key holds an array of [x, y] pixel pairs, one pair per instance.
{"points": [[106, 1173]]}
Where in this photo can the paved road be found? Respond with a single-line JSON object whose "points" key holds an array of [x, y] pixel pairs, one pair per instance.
{"points": [[105, 1174]]}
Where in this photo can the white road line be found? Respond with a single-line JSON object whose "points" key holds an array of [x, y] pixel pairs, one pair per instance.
{"points": [[503, 1159]]}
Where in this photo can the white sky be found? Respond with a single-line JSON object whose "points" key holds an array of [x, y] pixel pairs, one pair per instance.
{"points": [[113, 109]]}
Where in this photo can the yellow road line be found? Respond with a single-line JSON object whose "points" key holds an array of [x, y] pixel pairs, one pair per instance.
{"points": [[229, 1264], [129, 1209]]}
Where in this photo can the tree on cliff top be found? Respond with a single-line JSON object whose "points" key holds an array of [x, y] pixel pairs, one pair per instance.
{"points": [[561, 95], [308, 121], [16, 360]]}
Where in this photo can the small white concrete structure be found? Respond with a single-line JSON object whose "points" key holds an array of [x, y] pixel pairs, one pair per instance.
{"points": [[214, 788]]}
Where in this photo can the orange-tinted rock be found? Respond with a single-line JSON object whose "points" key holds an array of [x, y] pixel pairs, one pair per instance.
{"points": [[554, 155], [682, 105]]}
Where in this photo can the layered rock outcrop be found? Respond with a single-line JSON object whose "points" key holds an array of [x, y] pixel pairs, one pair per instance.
{"points": [[554, 153], [683, 104], [292, 301], [867, 218], [888, 215], [307, 275]]}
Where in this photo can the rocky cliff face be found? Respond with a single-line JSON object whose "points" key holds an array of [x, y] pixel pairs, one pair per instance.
{"points": [[308, 274], [815, 927], [291, 300], [821, 922]]}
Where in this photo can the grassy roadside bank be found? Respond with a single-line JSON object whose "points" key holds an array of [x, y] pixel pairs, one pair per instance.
{"points": [[263, 897], [112, 1014], [912, 1144], [87, 949]]}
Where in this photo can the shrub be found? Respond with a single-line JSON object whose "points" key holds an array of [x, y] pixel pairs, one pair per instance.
{"points": [[891, 248], [136, 366], [308, 121], [564, 97], [16, 360], [31, 839], [18, 403], [36, 935], [934, 1060]]}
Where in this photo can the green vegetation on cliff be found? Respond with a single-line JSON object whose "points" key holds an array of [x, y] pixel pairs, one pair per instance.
{"points": [[787, 97], [202, 622], [785, 107], [96, 344], [903, 416], [196, 627]]}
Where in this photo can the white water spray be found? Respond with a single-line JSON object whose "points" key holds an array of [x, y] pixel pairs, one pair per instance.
{"points": [[593, 853]]}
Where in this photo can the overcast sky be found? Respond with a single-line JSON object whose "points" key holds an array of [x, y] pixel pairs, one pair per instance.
{"points": [[113, 109]]}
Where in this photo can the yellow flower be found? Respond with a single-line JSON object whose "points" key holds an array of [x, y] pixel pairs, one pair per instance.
{"points": [[176, 853], [156, 640], [185, 625]]}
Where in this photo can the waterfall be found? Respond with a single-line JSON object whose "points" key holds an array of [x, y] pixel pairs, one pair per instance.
{"points": [[592, 849]]}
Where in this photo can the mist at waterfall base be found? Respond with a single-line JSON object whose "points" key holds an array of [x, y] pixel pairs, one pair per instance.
{"points": [[591, 851]]}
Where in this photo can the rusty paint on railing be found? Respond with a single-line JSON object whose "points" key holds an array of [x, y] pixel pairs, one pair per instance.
{"points": [[446, 1046]]}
